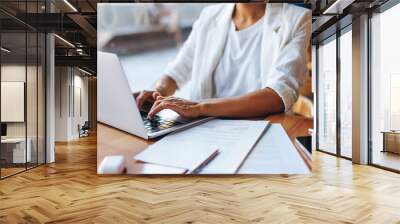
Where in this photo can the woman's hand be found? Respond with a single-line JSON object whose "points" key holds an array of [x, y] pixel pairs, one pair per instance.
{"points": [[259, 103], [165, 86], [146, 96], [183, 107]]}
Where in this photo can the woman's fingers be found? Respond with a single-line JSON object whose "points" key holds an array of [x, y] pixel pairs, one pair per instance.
{"points": [[157, 101], [156, 95], [160, 99], [157, 107], [143, 96], [146, 96], [163, 103], [182, 107]]}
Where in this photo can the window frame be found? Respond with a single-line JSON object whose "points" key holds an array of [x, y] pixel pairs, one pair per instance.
{"points": [[378, 10], [27, 29], [333, 37]]}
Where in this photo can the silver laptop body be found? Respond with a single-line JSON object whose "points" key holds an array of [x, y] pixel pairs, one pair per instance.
{"points": [[116, 105]]}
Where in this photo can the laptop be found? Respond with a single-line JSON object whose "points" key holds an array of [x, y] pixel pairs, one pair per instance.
{"points": [[117, 106]]}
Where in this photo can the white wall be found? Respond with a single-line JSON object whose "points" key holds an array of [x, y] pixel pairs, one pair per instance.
{"points": [[62, 81], [79, 117], [70, 83]]}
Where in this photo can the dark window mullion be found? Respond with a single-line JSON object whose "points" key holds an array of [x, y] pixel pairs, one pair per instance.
{"points": [[26, 86], [338, 94], [37, 90], [369, 81], [317, 96]]}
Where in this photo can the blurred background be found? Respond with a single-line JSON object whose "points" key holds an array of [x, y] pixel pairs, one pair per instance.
{"points": [[146, 36]]}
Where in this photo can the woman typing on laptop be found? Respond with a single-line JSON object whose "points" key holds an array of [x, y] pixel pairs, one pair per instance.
{"points": [[244, 60]]}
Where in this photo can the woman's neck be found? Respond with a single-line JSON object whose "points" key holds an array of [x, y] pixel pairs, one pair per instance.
{"points": [[246, 14], [249, 11]]}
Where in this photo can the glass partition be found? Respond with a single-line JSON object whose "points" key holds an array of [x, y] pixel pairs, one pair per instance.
{"points": [[327, 96], [13, 109], [31, 99], [22, 78], [41, 97], [385, 89], [31, 85], [346, 94]]}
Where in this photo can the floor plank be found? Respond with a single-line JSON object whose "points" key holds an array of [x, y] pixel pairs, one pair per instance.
{"points": [[69, 191]]}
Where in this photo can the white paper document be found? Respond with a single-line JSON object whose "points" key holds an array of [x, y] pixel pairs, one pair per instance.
{"points": [[175, 151], [274, 154], [187, 149], [150, 168], [233, 138]]}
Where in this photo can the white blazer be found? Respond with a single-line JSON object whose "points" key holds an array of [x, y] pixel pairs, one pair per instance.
{"points": [[284, 50]]}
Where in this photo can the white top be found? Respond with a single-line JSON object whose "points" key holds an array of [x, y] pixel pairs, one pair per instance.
{"points": [[284, 50], [239, 72]]}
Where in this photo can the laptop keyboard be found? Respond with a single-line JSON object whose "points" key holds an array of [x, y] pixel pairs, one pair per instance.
{"points": [[157, 123]]}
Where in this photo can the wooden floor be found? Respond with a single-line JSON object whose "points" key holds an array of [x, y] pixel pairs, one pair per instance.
{"points": [[386, 159], [5, 172], [69, 191]]}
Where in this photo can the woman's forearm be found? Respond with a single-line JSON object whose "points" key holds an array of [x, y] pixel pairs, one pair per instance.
{"points": [[256, 104], [166, 86]]}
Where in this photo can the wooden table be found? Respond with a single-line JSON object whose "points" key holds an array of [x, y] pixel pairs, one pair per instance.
{"points": [[14, 151], [391, 141], [111, 141]]}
